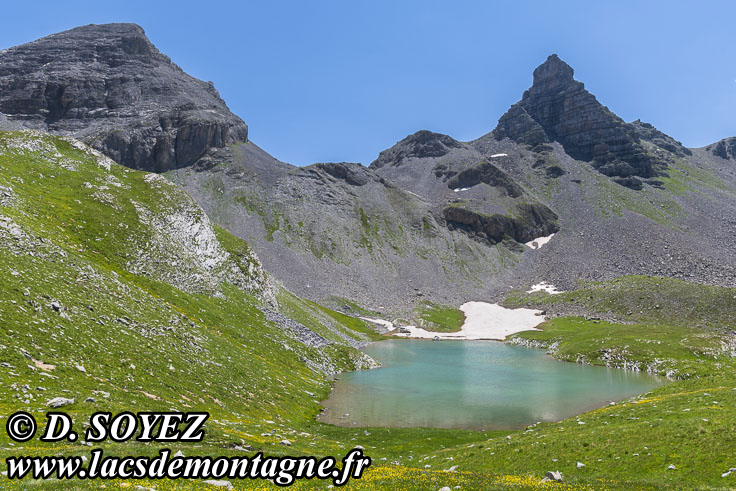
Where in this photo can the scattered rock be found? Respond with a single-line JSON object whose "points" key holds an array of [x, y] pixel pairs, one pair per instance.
{"points": [[57, 402], [555, 476], [219, 484]]}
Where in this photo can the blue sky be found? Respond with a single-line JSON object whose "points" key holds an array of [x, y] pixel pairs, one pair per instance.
{"points": [[324, 81]]}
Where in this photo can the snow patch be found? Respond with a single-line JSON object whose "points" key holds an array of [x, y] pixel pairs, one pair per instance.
{"points": [[483, 321], [545, 287], [496, 155], [538, 242], [457, 190]]}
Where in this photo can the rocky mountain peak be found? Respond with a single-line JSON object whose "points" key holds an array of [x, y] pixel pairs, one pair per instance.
{"points": [[557, 108], [552, 75], [108, 44], [109, 86], [421, 144]]}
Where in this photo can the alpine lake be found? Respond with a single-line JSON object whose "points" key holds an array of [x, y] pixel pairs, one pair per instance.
{"points": [[480, 385]]}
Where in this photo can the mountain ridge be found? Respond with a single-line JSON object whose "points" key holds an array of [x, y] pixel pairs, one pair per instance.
{"points": [[432, 218]]}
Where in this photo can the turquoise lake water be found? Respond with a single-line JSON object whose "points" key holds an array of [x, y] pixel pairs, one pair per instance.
{"points": [[472, 385]]}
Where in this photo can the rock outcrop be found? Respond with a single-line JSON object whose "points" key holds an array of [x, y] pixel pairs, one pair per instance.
{"points": [[487, 173], [558, 108], [421, 144], [7, 125], [108, 86], [351, 173], [651, 134], [531, 221], [725, 149]]}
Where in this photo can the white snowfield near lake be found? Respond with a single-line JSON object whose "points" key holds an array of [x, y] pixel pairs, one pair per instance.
{"points": [[484, 321], [538, 242]]}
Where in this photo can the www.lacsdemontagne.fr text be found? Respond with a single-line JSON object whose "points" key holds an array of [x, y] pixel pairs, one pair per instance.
{"points": [[283, 471]]}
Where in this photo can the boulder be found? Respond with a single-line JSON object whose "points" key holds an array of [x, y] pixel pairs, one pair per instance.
{"points": [[58, 402], [555, 476]]}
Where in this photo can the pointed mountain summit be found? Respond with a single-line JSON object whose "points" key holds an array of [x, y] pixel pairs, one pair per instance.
{"points": [[109, 86], [558, 108]]}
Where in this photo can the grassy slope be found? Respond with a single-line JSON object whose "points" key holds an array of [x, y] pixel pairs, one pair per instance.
{"points": [[440, 318], [688, 423], [668, 326], [215, 351], [78, 324]]}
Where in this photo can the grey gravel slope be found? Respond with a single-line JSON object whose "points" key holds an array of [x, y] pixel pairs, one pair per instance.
{"points": [[340, 230]]}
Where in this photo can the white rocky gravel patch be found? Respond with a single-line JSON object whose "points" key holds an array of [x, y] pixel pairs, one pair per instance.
{"points": [[105, 198], [114, 181], [184, 250], [34, 142], [29, 141], [102, 160], [157, 179], [7, 198], [11, 228]]}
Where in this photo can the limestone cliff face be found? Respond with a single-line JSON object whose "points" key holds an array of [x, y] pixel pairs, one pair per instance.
{"points": [[558, 108], [110, 87], [725, 149], [531, 221]]}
